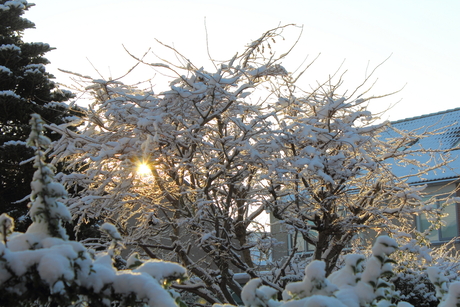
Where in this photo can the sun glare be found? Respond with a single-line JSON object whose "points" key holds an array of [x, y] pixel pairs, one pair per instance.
{"points": [[143, 169]]}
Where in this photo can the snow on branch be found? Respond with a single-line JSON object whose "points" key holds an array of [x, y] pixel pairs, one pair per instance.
{"points": [[223, 146], [43, 266]]}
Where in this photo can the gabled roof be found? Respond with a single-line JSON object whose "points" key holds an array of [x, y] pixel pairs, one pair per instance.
{"points": [[447, 123]]}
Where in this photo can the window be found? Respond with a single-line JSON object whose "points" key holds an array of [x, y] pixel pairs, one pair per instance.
{"points": [[301, 245], [446, 232]]}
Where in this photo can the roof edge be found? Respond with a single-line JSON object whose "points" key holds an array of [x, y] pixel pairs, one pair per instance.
{"points": [[440, 180], [424, 116]]}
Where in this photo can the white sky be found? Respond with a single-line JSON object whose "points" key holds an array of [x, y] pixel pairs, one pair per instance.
{"points": [[422, 37]]}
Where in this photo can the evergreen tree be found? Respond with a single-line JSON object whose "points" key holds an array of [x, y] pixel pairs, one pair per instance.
{"points": [[25, 88]]}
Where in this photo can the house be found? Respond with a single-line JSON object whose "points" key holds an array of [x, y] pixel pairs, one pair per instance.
{"points": [[440, 183]]}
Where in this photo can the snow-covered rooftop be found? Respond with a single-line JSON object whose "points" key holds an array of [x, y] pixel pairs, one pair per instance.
{"points": [[447, 126]]}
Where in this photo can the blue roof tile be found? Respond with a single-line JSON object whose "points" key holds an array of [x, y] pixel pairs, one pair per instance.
{"points": [[447, 124]]}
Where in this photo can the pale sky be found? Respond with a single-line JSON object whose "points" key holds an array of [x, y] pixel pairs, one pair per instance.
{"points": [[422, 37]]}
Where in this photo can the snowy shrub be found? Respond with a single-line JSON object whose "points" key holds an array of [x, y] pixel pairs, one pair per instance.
{"points": [[42, 267], [358, 283], [414, 258], [314, 282], [353, 285], [411, 278], [453, 296], [256, 294], [415, 287]]}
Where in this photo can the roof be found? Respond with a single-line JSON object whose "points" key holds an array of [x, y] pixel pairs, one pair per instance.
{"points": [[447, 126]]}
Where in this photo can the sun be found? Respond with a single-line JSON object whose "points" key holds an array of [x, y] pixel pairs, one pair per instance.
{"points": [[143, 170]]}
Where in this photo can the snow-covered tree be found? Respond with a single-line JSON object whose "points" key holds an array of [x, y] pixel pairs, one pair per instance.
{"points": [[221, 147], [199, 202], [331, 170], [43, 268], [25, 88]]}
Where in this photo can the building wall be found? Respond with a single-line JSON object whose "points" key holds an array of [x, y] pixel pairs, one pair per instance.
{"points": [[280, 234], [443, 190]]}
